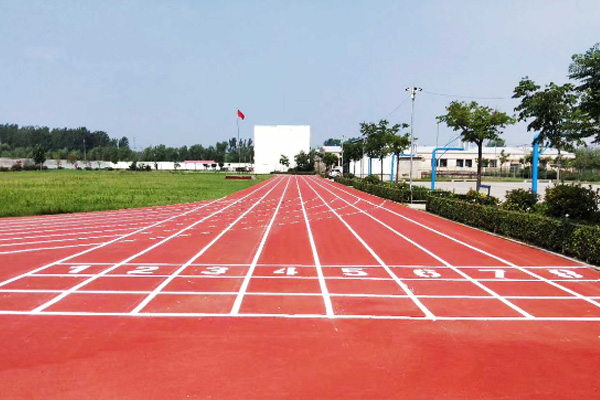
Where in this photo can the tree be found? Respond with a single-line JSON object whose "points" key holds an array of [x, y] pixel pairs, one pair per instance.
{"points": [[284, 161], [586, 69], [329, 159], [378, 138], [303, 162], [353, 151], [476, 124], [498, 142], [39, 155], [398, 144], [552, 114], [332, 142], [503, 157]]}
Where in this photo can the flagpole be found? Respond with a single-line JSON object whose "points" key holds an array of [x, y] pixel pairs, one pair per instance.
{"points": [[237, 120]]}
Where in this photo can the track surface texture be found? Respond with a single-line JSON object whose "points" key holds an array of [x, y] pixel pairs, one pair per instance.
{"points": [[296, 288]]}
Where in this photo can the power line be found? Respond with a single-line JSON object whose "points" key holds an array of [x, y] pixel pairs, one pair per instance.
{"points": [[466, 97], [397, 107]]}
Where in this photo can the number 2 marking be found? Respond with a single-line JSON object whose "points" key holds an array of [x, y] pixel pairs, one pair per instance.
{"points": [[78, 268], [354, 272], [142, 270], [286, 271]]}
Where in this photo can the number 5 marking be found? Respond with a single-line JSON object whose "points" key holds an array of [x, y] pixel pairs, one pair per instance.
{"points": [[354, 272]]}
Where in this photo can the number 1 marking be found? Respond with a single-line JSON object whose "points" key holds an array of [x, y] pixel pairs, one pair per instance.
{"points": [[498, 273], [78, 268]]}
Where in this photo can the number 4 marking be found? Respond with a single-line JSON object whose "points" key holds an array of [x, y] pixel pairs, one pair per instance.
{"points": [[286, 271], [498, 273]]}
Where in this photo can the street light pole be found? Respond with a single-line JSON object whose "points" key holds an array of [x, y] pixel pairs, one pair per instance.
{"points": [[343, 137], [413, 92]]}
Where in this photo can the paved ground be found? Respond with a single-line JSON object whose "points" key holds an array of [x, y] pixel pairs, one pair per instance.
{"points": [[499, 189], [294, 288]]}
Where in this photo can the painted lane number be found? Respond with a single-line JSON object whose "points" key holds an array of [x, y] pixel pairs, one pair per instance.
{"points": [[142, 270], [354, 272], [426, 273], [290, 271], [565, 273], [75, 269], [498, 273], [215, 271]]}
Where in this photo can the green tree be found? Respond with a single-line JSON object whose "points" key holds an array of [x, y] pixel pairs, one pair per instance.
{"points": [[498, 142], [585, 68], [284, 161], [503, 157], [398, 144], [303, 161], [551, 112], [39, 155], [378, 138], [332, 142], [353, 151], [476, 124], [329, 159]]}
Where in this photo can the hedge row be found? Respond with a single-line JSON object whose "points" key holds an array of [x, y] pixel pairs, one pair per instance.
{"points": [[396, 192], [582, 242]]}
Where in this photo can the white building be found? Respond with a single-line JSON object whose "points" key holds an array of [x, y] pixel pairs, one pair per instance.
{"points": [[458, 162], [273, 141]]}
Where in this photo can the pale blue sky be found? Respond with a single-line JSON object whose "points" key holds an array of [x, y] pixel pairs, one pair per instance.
{"points": [[175, 72]]}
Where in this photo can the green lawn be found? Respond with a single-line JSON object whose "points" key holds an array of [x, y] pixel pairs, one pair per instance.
{"points": [[53, 192]]}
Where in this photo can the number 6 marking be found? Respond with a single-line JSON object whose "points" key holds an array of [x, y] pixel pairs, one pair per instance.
{"points": [[426, 273]]}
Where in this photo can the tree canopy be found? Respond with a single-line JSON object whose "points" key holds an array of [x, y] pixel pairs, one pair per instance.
{"points": [[585, 68]]}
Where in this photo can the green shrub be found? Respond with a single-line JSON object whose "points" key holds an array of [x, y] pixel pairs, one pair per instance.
{"points": [[572, 201], [520, 200], [372, 179], [474, 196], [585, 244], [387, 190], [549, 233]]}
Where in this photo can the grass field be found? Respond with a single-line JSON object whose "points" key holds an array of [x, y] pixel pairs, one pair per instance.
{"points": [[53, 192]]}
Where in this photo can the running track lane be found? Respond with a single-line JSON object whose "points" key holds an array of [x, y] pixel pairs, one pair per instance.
{"points": [[47, 356]]}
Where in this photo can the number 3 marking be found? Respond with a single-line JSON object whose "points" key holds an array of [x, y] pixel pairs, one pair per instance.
{"points": [[565, 273], [215, 271]]}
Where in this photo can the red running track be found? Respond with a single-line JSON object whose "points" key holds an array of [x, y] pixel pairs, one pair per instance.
{"points": [[294, 288]]}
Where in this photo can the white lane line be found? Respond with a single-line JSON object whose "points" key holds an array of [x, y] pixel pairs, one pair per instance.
{"points": [[404, 287], [541, 278], [62, 260], [317, 260], [56, 240], [235, 309], [63, 234], [71, 229], [440, 259], [50, 248], [296, 316], [163, 284], [80, 285]]}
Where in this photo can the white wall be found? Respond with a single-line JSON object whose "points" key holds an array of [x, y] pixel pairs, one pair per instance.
{"points": [[272, 141]]}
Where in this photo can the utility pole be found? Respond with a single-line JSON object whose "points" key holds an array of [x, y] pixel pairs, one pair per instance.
{"points": [[413, 92], [84, 152], [343, 137]]}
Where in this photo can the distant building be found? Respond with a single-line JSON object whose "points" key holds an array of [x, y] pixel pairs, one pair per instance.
{"points": [[273, 141], [455, 162]]}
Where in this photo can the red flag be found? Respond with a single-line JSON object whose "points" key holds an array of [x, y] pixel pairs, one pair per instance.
{"points": [[241, 115]]}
